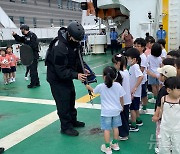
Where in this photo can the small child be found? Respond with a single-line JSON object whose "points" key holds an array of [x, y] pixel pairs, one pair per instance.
{"points": [[136, 77], [170, 123], [120, 63], [140, 45], [111, 94], [162, 42], [165, 72], [154, 62], [5, 66], [13, 64], [149, 43]]}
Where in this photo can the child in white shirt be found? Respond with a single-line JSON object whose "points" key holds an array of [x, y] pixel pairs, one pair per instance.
{"points": [[111, 94], [162, 42], [120, 63], [154, 62], [136, 77]]}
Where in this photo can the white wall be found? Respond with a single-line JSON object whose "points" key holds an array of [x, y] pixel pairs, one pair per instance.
{"points": [[139, 14]]}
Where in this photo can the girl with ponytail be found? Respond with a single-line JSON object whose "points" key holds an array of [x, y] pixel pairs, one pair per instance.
{"points": [[120, 63], [111, 94]]}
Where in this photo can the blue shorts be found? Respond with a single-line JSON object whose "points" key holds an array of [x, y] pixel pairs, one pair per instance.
{"points": [[135, 104], [107, 123], [153, 81], [144, 90]]}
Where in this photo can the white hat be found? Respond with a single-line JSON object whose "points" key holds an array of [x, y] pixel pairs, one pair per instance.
{"points": [[167, 71]]}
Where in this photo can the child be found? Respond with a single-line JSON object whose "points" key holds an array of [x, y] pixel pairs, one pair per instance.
{"points": [[140, 44], [5, 66], [170, 123], [136, 78], [165, 72], [149, 43], [173, 54], [154, 62], [120, 63], [111, 94], [162, 42], [13, 64]]}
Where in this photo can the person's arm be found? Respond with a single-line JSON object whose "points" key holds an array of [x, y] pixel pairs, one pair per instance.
{"points": [[139, 80], [152, 74], [122, 102], [18, 38], [122, 37], [156, 115], [89, 87], [60, 63]]}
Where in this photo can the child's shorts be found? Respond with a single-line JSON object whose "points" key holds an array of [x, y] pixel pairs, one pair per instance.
{"points": [[5, 70], [153, 81], [107, 123], [144, 90], [13, 69], [135, 104]]}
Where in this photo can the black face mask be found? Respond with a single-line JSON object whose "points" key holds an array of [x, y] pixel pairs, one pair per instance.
{"points": [[161, 28]]}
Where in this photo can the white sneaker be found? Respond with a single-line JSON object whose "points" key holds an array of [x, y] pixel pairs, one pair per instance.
{"points": [[13, 79], [26, 78], [106, 150], [123, 138], [141, 111], [115, 146], [157, 150], [6, 83], [152, 100], [10, 80]]}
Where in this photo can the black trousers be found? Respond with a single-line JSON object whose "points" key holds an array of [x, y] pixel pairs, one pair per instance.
{"points": [[27, 71], [34, 73], [64, 97], [124, 129], [114, 46]]}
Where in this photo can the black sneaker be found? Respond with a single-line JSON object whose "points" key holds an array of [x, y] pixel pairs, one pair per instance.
{"points": [[1, 150], [79, 124], [38, 84], [31, 86], [133, 129], [139, 122], [70, 132]]}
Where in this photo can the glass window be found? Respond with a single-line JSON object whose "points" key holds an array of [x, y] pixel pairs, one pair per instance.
{"points": [[60, 4], [61, 22], [23, 1], [35, 22], [21, 20], [12, 18]]}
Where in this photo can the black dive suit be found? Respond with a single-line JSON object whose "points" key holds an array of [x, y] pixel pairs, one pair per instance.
{"points": [[63, 65]]}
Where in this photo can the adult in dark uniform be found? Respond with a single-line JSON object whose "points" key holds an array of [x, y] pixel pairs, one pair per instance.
{"points": [[30, 39], [63, 65]]}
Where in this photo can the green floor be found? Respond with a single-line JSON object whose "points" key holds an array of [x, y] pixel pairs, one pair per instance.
{"points": [[15, 115]]}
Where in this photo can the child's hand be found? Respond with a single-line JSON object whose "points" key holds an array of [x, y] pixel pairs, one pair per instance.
{"points": [[155, 118]]}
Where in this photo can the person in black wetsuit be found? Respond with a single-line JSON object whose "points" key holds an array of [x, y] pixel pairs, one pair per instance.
{"points": [[63, 65]]}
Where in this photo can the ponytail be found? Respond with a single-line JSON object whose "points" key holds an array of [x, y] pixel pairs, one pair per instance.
{"points": [[119, 78], [109, 73], [108, 81]]}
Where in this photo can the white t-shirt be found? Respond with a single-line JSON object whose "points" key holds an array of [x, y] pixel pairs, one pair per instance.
{"points": [[164, 53], [126, 86], [135, 72], [145, 65], [110, 99], [154, 63]]}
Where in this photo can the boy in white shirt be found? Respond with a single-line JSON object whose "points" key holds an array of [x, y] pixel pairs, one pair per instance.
{"points": [[140, 45], [136, 77]]}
